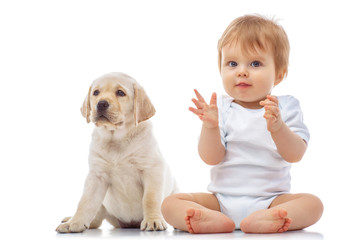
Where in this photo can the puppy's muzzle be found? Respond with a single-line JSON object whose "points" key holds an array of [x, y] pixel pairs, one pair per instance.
{"points": [[102, 106], [105, 115]]}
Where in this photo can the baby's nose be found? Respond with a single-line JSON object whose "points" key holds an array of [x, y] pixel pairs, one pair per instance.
{"points": [[243, 72]]}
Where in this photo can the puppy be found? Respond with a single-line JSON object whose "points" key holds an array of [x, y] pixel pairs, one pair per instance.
{"points": [[128, 177]]}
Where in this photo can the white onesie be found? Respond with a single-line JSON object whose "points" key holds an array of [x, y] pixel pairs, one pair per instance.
{"points": [[252, 173]]}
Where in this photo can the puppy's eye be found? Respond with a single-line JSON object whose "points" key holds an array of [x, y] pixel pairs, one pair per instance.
{"points": [[96, 92], [120, 93]]}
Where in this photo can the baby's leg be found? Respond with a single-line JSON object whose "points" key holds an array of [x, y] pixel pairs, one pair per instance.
{"points": [[266, 221], [196, 213], [208, 221], [303, 209], [286, 212]]}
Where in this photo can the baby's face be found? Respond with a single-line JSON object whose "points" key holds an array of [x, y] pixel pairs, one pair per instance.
{"points": [[248, 78]]}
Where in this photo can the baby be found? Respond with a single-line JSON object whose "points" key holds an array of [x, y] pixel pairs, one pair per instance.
{"points": [[251, 138]]}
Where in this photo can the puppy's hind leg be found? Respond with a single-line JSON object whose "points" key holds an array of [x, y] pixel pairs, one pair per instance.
{"points": [[97, 221], [100, 216], [113, 221]]}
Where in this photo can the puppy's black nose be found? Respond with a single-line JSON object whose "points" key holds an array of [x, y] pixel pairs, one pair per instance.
{"points": [[102, 105]]}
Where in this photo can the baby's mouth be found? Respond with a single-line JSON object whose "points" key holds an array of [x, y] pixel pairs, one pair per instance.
{"points": [[243, 85]]}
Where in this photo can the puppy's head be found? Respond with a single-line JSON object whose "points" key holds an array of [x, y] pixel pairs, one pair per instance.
{"points": [[115, 100]]}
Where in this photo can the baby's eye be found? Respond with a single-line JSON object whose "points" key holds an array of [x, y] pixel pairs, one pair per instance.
{"points": [[232, 64], [255, 64]]}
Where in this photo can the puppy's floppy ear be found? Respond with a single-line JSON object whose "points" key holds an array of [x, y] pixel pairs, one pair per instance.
{"points": [[86, 108], [143, 108]]}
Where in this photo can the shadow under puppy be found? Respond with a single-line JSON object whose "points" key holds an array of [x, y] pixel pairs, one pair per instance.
{"points": [[128, 177]]}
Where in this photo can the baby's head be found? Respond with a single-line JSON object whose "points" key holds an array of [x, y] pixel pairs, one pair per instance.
{"points": [[255, 33]]}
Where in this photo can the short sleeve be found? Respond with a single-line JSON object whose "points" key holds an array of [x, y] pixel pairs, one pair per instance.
{"points": [[223, 104], [293, 116]]}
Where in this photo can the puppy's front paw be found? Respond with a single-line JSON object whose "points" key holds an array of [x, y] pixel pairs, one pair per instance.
{"points": [[153, 224], [66, 219], [71, 227]]}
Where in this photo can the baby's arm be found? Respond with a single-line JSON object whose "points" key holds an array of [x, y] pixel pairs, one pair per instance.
{"points": [[290, 145], [210, 147]]}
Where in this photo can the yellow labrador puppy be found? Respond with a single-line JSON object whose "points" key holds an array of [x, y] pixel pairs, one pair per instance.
{"points": [[128, 177]]}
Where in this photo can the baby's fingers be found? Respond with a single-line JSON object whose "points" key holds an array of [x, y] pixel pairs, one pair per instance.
{"points": [[198, 104], [274, 110], [270, 100], [273, 99], [270, 117], [213, 99], [198, 112], [199, 97]]}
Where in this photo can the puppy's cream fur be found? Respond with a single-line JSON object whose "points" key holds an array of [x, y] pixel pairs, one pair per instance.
{"points": [[128, 177]]}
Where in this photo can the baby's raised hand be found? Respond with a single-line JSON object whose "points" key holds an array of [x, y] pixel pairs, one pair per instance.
{"points": [[272, 113], [208, 113]]}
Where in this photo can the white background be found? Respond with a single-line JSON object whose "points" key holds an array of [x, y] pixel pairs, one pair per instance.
{"points": [[51, 51]]}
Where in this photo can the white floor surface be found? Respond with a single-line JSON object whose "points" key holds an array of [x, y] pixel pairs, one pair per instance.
{"points": [[108, 233]]}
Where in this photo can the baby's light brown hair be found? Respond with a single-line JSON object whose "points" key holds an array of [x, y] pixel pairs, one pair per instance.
{"points": [[255, 33]]}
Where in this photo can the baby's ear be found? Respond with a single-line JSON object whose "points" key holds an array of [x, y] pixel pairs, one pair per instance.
{"points": [[143, 108], [280, 76], [86, 108]]}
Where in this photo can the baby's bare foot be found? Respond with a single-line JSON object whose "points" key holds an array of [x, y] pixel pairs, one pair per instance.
{"points": [[208, 221], [273, 220]]}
